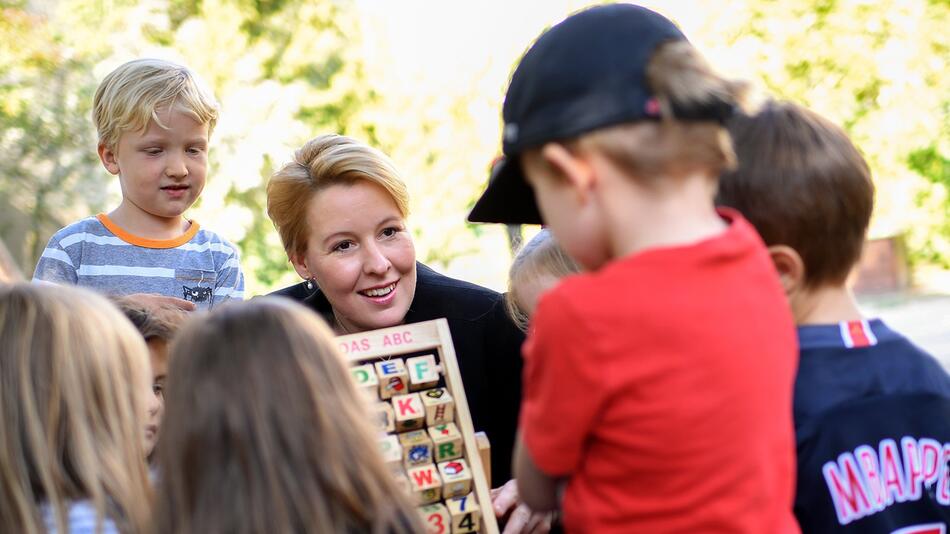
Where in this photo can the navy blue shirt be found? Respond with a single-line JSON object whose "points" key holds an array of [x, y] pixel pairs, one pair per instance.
{"points": [[872, 423]]}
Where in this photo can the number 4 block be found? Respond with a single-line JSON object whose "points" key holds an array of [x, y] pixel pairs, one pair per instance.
{"points": [[464, 513]]}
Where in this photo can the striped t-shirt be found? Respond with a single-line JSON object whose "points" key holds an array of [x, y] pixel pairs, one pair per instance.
{"points": [[199, 265]]}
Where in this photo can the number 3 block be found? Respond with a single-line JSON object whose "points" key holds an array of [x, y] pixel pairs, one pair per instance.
{"points": [[437, 519]]}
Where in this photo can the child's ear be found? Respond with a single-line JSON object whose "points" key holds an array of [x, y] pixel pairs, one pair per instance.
{"points": [[299, 262], [570, 166], [790, 267], [108, 158]]}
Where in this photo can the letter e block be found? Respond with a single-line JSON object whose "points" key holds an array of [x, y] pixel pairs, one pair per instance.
{"points": [[422, 372], [447, 442], [440, 407], [426, 484], [436, 518], [393, 378], [409, 411], [464, 513], [416, 448], [456, 478]]}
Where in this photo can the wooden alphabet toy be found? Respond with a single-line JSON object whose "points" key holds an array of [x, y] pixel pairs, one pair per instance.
{"points": [[426, 437]]}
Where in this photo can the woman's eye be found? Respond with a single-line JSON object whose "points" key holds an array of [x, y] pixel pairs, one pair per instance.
{"points": [[158, 390], [343, 246], [389, 232]]}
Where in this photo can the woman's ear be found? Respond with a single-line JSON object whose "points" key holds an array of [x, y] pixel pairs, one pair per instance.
{"points": [[570, 166], [299, 261], [790, 267]]}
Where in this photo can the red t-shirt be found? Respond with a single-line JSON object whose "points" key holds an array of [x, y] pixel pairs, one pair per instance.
{"points": [[660, 388]]}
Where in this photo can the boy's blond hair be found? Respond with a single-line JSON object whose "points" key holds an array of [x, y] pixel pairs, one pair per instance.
{"points": [[322, 162], [683, 83], [541, 256], [153, 321], [74, 372], [133, 94]]}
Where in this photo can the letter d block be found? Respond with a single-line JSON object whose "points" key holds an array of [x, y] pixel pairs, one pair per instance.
{"points": [[426, 484], [409, 412], [464, 513], [440, 406], [436, 518], [456, 478], [393, 378], [417, 448], [366, 379], [422, 372], [446, 441]]}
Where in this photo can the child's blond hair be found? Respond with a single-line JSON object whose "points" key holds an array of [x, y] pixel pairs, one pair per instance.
{"points": [[685, 87], [261, 384], [541, 256], [74, 376], [153, 321], [134, 93]]}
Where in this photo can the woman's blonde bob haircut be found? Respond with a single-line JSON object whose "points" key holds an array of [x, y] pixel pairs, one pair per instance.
{"points": [[75, 374], [265, 431], [323, 162], [134, 94]]}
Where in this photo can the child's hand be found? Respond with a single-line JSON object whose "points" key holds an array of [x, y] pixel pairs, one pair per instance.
{"points": [[521, 520]]}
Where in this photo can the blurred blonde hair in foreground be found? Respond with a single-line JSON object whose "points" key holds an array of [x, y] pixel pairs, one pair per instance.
{"points": [[261, 385], [75, 373]]}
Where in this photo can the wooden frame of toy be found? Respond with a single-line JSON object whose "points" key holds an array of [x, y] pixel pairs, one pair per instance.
{"points": [[411, 376]]}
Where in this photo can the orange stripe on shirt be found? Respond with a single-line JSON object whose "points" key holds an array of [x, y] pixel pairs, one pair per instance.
{"points": [[145, 242]]}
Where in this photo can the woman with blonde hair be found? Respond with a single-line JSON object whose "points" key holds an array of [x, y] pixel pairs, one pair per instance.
{"points": [[75, 390], [265, 431]]}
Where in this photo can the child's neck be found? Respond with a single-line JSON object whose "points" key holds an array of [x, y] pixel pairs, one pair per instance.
{"points": [[675, 214], [142, 224], [825, 305]]}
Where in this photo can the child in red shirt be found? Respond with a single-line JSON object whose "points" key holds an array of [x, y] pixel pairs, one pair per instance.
{"points": [[657, 386]]}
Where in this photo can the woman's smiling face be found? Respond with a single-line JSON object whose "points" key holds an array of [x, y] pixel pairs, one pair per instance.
{"points": [[360, 254]]}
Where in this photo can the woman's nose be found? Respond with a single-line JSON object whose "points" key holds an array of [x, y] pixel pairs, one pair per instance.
{"points": [[375, 261]]}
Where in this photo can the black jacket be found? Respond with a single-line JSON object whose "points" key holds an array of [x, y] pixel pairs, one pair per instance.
{"points": [[487, 344]]}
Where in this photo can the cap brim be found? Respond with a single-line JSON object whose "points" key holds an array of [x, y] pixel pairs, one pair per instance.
{"points": [[508, 199]]}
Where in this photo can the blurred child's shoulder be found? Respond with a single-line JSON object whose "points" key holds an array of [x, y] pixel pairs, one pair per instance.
{"points": [[86, 226], [214, 241]]}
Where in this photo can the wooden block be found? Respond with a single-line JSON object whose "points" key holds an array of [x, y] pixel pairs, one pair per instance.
{"points": [[456, 478], [464, 513], [391, 450], [384, 419], [366, 379], [423, 372], [409, 411], [426, 484], [436, 518], [447, 442], [439, 405], [417, 448], [393, 378], [484, 452]]}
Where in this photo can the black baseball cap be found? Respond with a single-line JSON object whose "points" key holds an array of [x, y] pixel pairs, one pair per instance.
{"points": [[585, 73]]}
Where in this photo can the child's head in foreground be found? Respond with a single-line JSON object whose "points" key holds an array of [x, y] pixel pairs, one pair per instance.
{"points": [[154, 119], [807, 190], [538, 267], [75, 385], [261, 385], [638, 105], [157, 324]]}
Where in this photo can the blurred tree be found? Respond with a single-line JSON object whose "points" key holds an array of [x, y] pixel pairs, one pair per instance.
{"points": [[48, 174]]}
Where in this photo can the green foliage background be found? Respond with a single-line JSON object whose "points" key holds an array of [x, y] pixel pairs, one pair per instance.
{"points": [[424, 82]]}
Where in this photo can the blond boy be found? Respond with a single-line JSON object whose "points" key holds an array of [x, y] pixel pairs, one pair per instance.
{"points": [[154, 121]]}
